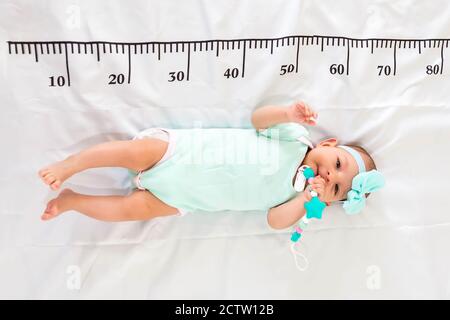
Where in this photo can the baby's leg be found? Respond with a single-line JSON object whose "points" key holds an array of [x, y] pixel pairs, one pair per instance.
{"points": [[138, 205], [140, 154]]}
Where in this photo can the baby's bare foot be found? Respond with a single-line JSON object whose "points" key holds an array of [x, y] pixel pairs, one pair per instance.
{"points": [[58, 205], [55, 174]]}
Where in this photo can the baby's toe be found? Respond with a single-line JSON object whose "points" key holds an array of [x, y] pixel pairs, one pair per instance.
{"points": [[49, 178], [43, 172], [55, 185], [50, 211], [46, 216]]}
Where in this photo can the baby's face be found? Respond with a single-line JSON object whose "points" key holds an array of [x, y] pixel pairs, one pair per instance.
{"points": [[336, 166]]}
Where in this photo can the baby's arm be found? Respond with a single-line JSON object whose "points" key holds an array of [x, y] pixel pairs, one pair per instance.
{"points": [[268, 116], [288, 213]]}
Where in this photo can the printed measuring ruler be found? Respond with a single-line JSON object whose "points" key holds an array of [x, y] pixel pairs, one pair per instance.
{"points": [[242, 47]]}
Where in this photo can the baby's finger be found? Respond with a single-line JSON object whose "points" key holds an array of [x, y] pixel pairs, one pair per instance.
{"points": [[320, 192], [316, 187], [300, 107], [308, 196], [308, 111], [318, 179]]}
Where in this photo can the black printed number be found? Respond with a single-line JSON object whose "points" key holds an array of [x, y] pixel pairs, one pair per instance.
{"points": [[178, 76], [60, 81], [386, 70], [116, 78], [234, 73], [286, 69], [337, 68], [433, 69]]}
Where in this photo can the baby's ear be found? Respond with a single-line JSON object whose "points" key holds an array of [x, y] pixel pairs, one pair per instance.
{"points": [[330, 142]]}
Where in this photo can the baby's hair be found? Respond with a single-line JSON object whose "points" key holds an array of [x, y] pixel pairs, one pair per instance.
{"points": [[371, 165]]}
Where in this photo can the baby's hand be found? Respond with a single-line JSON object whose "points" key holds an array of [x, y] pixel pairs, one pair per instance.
{"points": [[318, 185], [301, 113]]}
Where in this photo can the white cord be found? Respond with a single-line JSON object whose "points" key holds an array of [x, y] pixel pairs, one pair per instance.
{"points": [[297, 255]]}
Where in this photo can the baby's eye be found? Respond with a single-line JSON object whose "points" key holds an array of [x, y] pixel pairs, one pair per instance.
{"points": [[338, 163]]}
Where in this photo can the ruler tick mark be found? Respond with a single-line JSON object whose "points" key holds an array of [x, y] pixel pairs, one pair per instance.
{"points": [[395, 57], [243, 62], [296, 60], [129, 62], [189, 60], [348, 56], [67, 64], [35, 52]]}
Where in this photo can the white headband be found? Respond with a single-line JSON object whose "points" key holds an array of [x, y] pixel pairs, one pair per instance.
{"points": [[355, 154]]}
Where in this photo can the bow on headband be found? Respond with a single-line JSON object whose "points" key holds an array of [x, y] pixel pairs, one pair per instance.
{"points": [[362, 183]]}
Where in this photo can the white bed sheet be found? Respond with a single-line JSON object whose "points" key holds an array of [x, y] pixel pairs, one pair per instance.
{"points": [[397, 248]]}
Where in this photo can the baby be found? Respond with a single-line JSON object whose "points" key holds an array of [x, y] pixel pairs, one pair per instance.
{"points": [[176, 171]]}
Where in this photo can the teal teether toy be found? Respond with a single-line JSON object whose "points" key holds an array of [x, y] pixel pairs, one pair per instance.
{"points": [[314, 207]]}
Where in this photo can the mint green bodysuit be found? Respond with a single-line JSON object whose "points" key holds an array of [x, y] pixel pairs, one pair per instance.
{"points": [[216, 169]]}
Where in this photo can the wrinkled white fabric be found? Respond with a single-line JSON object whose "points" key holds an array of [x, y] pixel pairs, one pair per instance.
{"points": [[397, 248]]}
